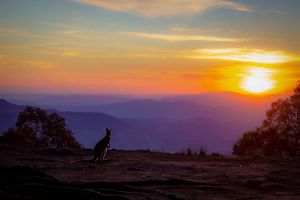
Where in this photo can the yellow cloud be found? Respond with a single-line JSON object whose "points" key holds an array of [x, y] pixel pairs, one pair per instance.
{"points": [[179, 38], [243, 55], [39, 64], [69, 32], [70, 54], [156, 8], [28, 65]]}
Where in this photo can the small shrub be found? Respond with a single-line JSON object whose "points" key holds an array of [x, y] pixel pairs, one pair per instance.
{"points": [[216, 155], [189, 152], [202, 152]]}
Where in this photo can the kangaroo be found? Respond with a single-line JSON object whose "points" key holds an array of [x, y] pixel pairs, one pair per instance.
{"points": [[101, 147]]}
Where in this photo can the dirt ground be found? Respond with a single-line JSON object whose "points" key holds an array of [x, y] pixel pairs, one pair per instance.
{"points": [[61, 174]]}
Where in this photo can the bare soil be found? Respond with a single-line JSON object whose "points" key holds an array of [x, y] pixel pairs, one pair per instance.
{"points": [[62, 174]]}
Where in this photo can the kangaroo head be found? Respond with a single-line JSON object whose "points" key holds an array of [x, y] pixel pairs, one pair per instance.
{"points": [[108, 132]]}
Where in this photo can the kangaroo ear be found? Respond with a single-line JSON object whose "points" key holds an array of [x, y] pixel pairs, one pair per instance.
{"points": [[110, 130], [107, 129]]}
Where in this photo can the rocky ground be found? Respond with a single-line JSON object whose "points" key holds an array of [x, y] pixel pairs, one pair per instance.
{"points": [[61, 174]]}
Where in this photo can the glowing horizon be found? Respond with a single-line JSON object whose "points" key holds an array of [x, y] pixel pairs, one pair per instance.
{"points": [[148, 47]]}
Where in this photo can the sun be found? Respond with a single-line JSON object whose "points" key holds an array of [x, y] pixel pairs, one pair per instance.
{"points": [[258, 80]]}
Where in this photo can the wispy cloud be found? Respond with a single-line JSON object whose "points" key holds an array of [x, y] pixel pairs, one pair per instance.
{"points": [[156, 8], [68, 32], [243, 55], [188, 30], [10, 31], [29, 45], [70, 54], [28, 65], [192, 76], [39, 64], [179, 38], [80, 34]]}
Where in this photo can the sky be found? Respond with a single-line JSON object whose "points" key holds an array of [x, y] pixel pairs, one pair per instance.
{"points": [[149, 46]]}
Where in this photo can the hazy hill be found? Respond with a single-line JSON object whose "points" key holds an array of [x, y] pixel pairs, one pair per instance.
{"points": [[66, 102], [224, 107], [8, 114], [225, 98], [156, 134], [219, 106], [151, 109]]}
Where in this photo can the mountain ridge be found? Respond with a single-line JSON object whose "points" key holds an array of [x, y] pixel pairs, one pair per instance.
{"points": [[168, 134]]}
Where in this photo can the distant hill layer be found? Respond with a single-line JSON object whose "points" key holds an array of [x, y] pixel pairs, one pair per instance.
{"points": [[153, 124]]}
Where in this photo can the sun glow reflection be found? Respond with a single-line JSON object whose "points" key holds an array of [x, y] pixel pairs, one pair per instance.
{"points": [[258, 80]]}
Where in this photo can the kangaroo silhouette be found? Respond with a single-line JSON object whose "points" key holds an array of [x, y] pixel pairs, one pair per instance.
{"points": [[101, 147]]}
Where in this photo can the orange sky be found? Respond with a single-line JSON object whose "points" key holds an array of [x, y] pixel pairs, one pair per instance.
{"points": [[162, 47]]}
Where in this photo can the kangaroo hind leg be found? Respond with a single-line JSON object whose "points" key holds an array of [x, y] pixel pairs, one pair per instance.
{"points": [[103, 154]]}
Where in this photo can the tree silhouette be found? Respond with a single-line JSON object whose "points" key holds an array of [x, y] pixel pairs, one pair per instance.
{"points": [[279, 133], [30, 125], [35, 127]]}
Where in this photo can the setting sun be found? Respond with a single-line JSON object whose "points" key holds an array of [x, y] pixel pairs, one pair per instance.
{"points": [[258, 80]]}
